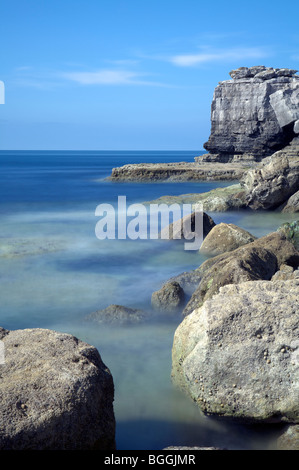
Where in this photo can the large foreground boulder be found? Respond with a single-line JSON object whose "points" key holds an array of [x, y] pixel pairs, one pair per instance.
{"points": [[56, 393], [237, 355], [258, 260]]}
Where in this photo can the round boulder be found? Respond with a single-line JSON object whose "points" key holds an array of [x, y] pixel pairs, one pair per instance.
{"points": [[237, 355], [225, 237], [169, 298], [56, 393]]}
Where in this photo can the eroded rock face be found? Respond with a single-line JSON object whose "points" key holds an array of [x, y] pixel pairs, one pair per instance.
{"points": [[254, 114], [237, 355], [55, 394], [274, 180]]}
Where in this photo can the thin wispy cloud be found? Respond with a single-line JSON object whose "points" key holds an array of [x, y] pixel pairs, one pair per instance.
{"points": [[189, 60], [103, 77], [110, 77]]}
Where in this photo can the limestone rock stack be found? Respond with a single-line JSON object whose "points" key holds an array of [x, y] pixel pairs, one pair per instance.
{"points": [[254, 114]]}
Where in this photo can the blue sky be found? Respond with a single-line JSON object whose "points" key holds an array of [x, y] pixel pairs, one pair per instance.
{"points": [[129, 74]]}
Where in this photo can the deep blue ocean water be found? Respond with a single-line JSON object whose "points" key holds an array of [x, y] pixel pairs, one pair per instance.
{"points": [[54, 272]]}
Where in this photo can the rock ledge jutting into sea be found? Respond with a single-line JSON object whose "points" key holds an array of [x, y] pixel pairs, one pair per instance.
{"points": [[181, 171], [253, 115]]}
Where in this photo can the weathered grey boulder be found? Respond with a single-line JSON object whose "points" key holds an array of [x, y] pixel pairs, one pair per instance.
{"points": [[258, 260], [225, 237], [55, 394], [292, 204], [289, 439], [117, 314], [254, 113], [237, 355], [169, 298], [274, 181]]}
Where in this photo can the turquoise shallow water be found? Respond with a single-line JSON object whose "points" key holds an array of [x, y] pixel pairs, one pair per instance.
{"points": [[54, 272]]}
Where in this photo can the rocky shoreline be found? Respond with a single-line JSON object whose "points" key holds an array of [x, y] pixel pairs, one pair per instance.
{"points": [[236, 351]]}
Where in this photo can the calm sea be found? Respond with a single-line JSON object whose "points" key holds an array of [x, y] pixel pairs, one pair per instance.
{"points": [[54, 272]]}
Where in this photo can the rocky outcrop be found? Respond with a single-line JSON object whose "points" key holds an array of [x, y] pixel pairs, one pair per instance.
{"points": [[274, 181], [223, 238], [55, 394], [117, 314], [237, 355], [217, 200], [253, 114], [258, 260], [169, 298]]}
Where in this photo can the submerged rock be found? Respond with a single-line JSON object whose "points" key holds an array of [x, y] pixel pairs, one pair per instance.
{"points": [[56, 393], [169, 298], [118, 314], [225, 237], [17, 247], [186, 228], [237, 355]]}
